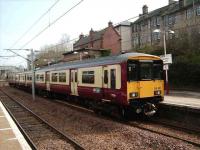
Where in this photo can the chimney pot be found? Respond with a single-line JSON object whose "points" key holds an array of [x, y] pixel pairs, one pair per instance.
{"points": [[171, 2], [145, 9], [81, 35], [110, 24]]}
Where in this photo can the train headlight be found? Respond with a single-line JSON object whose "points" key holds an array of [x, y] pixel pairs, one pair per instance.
{"points": [[158, 92], [134, 94]]}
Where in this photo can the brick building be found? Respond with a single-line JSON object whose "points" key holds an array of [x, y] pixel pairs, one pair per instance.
{"points": [[178, 16], [107, 38]]}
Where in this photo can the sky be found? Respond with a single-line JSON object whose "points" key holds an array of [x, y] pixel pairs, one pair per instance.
{"points": [[16, 16]]}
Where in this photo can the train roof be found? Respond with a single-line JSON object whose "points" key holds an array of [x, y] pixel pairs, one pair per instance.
{"points": [[92, 62]]}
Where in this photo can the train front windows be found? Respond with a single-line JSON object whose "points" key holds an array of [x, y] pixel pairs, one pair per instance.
{"points": [[132, 71], [113, 78], [146, 70], [158, 70]]}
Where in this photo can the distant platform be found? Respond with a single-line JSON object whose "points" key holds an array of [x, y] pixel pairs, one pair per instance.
{"points": [[183, 98], [10, 136], [3, 83]]}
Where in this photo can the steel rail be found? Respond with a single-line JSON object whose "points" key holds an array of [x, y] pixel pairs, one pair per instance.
{"points": [[26, 136], [76, 145]]}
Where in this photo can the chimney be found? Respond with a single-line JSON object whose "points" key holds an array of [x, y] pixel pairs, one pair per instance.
{"points": [[181, 3], [91, 31], [81, 35], [145, 9], [110, 24], [171, 2]]}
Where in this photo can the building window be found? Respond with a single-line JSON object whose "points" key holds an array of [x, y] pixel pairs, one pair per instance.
{"points": [[189, 13], [171, 36], [153, 21], [176, 34], [170, 20], [88, 77], [54, 77], [62, 77], [177, 18], [158, 20], [135, 41], [156, 36], [198, 11]]}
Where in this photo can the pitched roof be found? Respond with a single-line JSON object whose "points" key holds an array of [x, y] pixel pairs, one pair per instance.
{"points": [[160, 12], [86, 39]]}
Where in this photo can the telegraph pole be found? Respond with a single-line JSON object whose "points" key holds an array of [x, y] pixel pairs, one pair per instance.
{"points": [[33, 74]]}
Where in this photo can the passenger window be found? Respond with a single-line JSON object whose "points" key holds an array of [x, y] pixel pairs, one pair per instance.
{"points": [[54, 77], [47, 77], [62, 77], [75, 76], [72, 77], [88, 77], [105, 76], [113, 78]]}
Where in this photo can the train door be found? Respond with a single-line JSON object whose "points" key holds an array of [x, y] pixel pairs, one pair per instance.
{"points": [[74, 84], [25, 76], [47, 77]]}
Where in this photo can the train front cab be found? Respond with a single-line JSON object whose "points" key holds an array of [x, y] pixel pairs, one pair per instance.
{"points": [[145, 84]]}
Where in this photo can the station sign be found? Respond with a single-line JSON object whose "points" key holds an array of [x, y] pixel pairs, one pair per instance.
{"points": [[166, 59], [165, 67]]}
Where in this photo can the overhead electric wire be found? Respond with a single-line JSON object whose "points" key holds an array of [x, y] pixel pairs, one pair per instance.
{"points": [[34, 24], [38, 34]]}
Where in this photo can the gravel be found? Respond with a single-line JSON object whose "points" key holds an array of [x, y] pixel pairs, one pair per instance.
{"points": [[54, 144], [94, 132]]}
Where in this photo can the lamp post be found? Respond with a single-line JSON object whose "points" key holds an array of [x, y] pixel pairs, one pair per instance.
{"points": [[165, 54]]}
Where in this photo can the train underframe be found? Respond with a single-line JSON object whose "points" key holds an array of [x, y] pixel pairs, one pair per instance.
{"points": [[142, 106]]}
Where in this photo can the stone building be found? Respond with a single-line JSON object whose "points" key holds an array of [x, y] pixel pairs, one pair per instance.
{"points": [[107, 38], [178, 16], [124, 29]]}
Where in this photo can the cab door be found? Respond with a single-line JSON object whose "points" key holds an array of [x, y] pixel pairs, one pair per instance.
{"points": [[74, 84], [47, 80]]}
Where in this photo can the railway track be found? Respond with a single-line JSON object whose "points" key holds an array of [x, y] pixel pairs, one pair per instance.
{"points": [[144, 125], [34, 128]]}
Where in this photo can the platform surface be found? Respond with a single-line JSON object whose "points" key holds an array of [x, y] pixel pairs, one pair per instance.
{"points": [[10, 136], [183, 98]]}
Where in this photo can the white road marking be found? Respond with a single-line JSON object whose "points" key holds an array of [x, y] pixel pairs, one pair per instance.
{"points": [[11, 139], [4, 129]]}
